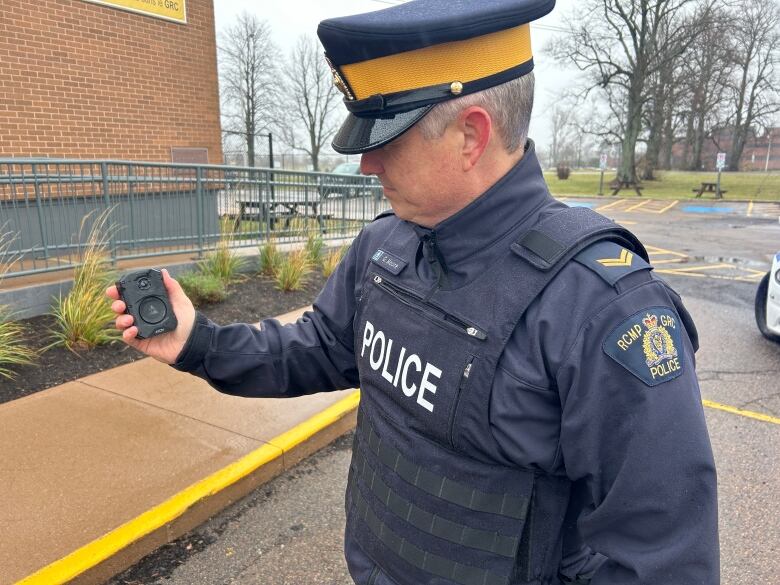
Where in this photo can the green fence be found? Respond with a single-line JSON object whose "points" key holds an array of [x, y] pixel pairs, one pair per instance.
{"points": [[47, 206]]}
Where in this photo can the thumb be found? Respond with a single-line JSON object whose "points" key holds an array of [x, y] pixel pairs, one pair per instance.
{"points": [[172, 285]]}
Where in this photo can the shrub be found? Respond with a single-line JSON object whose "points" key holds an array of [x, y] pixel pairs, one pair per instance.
{"points": [[203, 288], [84, 317], [293, 271], [223, 263], [13, 351], [332, 259], [563, 172], [270, 258], [314, 246]]}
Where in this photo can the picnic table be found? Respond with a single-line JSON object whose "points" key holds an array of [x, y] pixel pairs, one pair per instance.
{"points": [[286, 208], [709, 188], [616, 187]]}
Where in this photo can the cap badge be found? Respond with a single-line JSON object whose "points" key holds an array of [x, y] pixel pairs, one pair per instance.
{"points": [[339, 82], [456, 88]]}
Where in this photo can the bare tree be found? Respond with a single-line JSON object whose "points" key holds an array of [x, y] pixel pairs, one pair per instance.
{"points": [[756, 34], [623, 43], [308, 121], [706, 70], [247, 65]]}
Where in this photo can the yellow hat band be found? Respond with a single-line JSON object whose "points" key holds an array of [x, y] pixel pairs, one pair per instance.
{"points": [[457, 61]]}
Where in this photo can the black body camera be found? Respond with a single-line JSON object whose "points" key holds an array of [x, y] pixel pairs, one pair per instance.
{"points": [[147, 301]]}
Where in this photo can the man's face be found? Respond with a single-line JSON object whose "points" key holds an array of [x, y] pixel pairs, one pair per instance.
{"points": [[419, 176]]}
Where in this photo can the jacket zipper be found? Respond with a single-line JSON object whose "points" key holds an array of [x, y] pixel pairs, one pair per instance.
{"points": [[418, 304], [464, 379]]}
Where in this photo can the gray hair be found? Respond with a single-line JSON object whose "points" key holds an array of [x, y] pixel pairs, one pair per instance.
{"points": [[508, 104]]}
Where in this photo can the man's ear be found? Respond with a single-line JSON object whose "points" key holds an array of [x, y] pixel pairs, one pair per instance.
{"points": [[477, 128]]}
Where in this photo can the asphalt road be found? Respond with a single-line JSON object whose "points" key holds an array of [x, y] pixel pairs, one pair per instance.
{"points": [[289, 532]]}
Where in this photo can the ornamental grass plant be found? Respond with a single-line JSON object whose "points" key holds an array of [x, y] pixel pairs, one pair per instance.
{"points": [[84, 317], [293, 271], [270, 258], [223, 263], [13, 351], [332, 259], [314, 247], [203, 288]]}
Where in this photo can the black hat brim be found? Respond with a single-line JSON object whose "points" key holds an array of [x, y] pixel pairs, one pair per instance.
{"points": [[358, 135]]}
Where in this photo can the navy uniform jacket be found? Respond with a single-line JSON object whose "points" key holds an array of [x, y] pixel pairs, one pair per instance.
{"points": [[567, 399]]}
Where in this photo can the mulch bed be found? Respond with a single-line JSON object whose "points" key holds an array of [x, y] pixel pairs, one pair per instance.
{"points": [[248, 302]]}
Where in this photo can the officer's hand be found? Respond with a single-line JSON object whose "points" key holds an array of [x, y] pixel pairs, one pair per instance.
{"points": [[165, 347]]}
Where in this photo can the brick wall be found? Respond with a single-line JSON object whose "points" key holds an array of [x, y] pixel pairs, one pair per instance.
{"points": [[81, 80]]}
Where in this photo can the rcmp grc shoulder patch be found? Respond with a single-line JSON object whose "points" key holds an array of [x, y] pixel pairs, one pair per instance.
{"points": [[649, 345]]}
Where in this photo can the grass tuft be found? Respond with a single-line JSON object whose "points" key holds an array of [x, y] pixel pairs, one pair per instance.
{"points": [[293, 271], [270, 258], [223, 263], [203, 288], [13, 351], [314, 247], [84, 317], [332, 259]]}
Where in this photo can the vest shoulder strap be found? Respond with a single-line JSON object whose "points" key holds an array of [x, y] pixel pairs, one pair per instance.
{"points": [[553, 242], [561, 236], [386, 213]]}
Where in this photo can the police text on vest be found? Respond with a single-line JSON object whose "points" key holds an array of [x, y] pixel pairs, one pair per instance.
{"points": [[396, 367]]}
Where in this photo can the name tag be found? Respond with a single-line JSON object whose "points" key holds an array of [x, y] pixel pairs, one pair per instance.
{"points": [[393, 264]]}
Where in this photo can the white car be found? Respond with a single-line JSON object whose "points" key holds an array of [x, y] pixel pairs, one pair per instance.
{"points": [[768, 302]]}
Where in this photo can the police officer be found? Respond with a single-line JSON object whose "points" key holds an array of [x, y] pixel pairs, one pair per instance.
{"points": [[530, 411]]}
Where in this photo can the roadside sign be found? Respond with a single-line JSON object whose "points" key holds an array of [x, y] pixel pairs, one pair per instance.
{"points": [[603, 162], [721, 161]]}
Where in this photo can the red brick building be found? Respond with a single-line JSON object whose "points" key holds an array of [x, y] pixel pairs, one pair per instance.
{"points": [[85, 80], [761, 152]]}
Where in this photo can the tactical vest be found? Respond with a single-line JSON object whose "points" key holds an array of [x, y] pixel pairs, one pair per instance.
{"points": [[431, 498]]}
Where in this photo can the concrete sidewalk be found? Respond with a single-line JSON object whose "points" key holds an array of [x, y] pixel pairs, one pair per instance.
{"points": [[96, 473]]}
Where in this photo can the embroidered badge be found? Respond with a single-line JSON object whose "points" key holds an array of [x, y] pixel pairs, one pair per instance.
{"points": [[611, 261], [648, 344], [625, 259]]}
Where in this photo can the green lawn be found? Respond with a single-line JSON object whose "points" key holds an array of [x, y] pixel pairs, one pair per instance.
{"points": [[672, 185]]}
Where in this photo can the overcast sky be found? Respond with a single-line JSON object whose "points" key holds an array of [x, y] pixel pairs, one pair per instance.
{"points": [[293, 18]]}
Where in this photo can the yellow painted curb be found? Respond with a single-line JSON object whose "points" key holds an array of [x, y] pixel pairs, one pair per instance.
{"points": [[741, 412], [97, 551]]}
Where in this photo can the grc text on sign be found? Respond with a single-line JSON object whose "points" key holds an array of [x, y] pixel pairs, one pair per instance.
{"points": [[174, 10]]}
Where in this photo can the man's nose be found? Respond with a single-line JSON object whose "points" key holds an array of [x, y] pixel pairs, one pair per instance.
{"points": [[370, 163]]}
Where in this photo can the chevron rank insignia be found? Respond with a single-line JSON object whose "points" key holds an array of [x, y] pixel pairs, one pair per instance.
{"points": [[611, 261], [649, 345]]}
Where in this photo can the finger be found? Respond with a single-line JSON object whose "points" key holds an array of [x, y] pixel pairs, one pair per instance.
{"points": [[124, 321], [129, 335], [112, 292], [118, 307]]}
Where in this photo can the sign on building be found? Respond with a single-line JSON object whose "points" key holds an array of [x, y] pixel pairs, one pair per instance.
{"points": [[175, 10]]}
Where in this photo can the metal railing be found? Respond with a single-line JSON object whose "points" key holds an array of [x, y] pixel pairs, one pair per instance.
{"points": [[48, 207]]}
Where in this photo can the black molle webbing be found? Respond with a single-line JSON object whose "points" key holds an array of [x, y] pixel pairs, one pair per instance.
{"points": [[438, 486], [492, 542], [415, 556]]}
